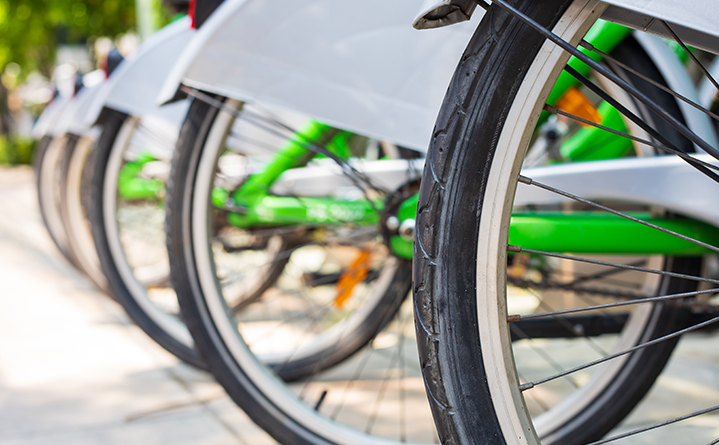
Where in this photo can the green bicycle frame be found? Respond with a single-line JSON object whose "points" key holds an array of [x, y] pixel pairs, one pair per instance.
{"points": [[253, 205], [131, 186]]}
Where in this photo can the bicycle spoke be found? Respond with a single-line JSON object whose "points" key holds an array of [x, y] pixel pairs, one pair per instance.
{"points": [[319, 364], [643, 125], [529, 181], [301, 292], [352, 173], [690, 54], [358, 371], [277, 257], [369, 350], [309, 328], [603, 274], [527, 284], [254, 143], [531, 385], [537, 399], [516, 318], [348, 169], [383, 386], [667, 90], [517, 249], [554, 110], [568, 326], [166, 143], [671, 120], [578, 279], [540, 352], [321, 359], [318, 310], [657, 425]]}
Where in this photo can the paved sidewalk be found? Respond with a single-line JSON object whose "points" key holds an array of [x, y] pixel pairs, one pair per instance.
{"points": [[73, 369]]}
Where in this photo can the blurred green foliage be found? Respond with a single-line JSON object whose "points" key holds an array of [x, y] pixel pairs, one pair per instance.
{"points": [[16, 150], [30, 30], [163, 15]]}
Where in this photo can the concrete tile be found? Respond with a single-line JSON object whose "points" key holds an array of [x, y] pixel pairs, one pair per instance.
{"points": [[73, 369]]}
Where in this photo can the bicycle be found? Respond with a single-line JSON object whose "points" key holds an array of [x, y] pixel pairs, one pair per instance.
{"points": [[59, 178], [199, 275], [477, 325], [126, 199]]}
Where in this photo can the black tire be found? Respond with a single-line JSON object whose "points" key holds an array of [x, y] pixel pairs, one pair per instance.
{"points": [[446, 289], [135, 308], [280, 421], [47, 179], [74, 190]]}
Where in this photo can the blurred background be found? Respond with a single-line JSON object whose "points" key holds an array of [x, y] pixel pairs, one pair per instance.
{"points": [[47, 45]]}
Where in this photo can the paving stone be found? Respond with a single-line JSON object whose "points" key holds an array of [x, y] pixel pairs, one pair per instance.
{"points": [[73, 369]]}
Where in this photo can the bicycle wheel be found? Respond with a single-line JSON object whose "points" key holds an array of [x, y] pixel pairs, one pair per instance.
{"points": [[47, 177], [73, 197], [126, 218], [486, 126], [293, 320]]}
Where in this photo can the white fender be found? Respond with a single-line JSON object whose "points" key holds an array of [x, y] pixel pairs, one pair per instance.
{"points": [[161, 129], [47, 122], [326, 178], [71, 120], [694, 21], [664, 181], [679, 81], [708, 93], [167, 118], [359, 66], [133, 86]]}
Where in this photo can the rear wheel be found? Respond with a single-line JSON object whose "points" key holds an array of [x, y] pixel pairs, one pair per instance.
{"points": [[48, 178], [127, 228], [485, 128], [74, 191], [352, 361]]}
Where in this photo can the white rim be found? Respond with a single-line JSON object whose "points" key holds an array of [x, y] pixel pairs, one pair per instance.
{"points": [[165, 321], [603, 375], [495, 340], [508, 401], [78, 230], [48, 187]]}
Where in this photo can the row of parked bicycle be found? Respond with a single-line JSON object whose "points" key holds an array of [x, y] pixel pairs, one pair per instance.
{"points": [[248, 186]]}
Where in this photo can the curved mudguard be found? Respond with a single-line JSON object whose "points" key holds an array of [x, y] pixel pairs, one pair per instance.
{"points": [[72, 119], [58, 114], [355, 65], [629, 180], [679, 80], [133, 86], [708, 93], [47, 122], [694, 21], [620, 180]]}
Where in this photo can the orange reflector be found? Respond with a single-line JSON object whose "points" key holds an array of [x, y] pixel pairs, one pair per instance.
{"points": [[576, 103], [353, 275]]}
